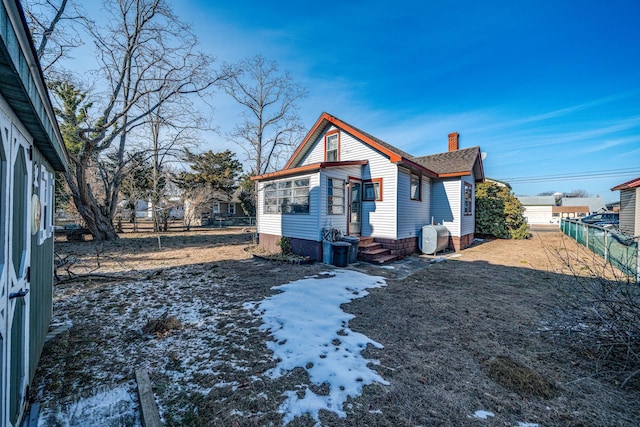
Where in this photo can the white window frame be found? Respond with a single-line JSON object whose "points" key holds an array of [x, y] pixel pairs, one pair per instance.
{"points": [[335, 202], [332, 153], [45, 193], [287, 197]]}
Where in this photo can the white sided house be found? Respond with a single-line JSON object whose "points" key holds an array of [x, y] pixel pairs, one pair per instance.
{"points": [[343, 178]]}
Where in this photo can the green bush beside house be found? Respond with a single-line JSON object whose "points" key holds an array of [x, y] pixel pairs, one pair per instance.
{"points": [[499, 213]]}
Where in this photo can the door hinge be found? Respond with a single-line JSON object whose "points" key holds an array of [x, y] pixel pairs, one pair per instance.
{"points": [[19, 294]]}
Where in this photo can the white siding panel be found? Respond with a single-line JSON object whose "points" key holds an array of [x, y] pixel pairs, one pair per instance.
{"points": [[446, 196], [379, 218], [636, 231], [538, 214], [316, 154], [412, 214], [299, 226], [629, 212], [334, 221]]}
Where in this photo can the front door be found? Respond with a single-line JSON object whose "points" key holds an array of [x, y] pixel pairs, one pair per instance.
{"points": [[15, 211], [355, 208]]}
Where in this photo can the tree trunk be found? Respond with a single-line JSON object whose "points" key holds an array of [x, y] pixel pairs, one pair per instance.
{"points": [[97, 221]]}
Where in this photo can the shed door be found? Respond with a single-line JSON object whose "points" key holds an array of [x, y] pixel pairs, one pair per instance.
{"points": [[15, 200]]}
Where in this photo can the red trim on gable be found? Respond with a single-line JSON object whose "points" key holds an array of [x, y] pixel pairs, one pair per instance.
{"points": [[321, 119], [393, 157], [453, 174], [627, 185], [308, 168]]}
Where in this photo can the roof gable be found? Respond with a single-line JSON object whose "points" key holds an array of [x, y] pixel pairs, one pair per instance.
{"points": [[634, 183], [449, 164], [325, 120]]}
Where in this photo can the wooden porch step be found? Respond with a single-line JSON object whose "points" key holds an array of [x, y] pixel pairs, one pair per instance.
{"points": [[369, 246], [383, 259], [371, 251], [376, 251]]}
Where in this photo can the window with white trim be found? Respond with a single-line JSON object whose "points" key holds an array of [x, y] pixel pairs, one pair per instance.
{"points": [[45, 193], [332, 148], [372, 190], [231, 208], [287, 196], [468, 199], [416, 187], [335, 196], [216, 207]]}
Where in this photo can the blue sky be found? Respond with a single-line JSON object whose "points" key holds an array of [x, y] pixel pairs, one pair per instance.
{"points": [[545, 88]]}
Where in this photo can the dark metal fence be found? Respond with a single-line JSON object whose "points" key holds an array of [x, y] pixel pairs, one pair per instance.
{"points": [[618, 249]]}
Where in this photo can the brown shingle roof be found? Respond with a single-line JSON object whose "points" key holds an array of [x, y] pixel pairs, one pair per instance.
{"points": [[451, 161]]}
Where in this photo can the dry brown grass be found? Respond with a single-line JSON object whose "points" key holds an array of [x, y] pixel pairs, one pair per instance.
{"points": [[468, 334]]}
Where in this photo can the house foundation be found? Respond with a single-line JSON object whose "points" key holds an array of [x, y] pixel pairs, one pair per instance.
{"points": [[301, 247], [460, 242]]}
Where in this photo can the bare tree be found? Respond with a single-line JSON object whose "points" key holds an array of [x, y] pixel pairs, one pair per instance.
{"points": [[170, 130], [271, 124], [147, 59], [578, 193], [54, 29]]}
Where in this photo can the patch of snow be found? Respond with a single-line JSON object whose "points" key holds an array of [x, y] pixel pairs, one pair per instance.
{"points": [[521, 424], [439, 259], [113, 407], [310, 331], [483, 415]]}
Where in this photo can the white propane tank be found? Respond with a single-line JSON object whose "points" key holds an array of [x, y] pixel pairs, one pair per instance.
{"points": [[434, 238]]}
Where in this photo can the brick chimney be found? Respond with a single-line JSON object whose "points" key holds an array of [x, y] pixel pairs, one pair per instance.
{"points": [[453, 141]]}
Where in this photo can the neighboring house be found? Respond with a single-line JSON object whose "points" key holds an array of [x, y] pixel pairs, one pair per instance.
{"points": [[32, 150], [216, 209], [594, 204], [343, 178], [229, 208], [540, 210], [629, 206]]}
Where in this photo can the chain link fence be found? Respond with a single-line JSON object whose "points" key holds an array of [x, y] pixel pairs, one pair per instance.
{"points": [[621, 251]]}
